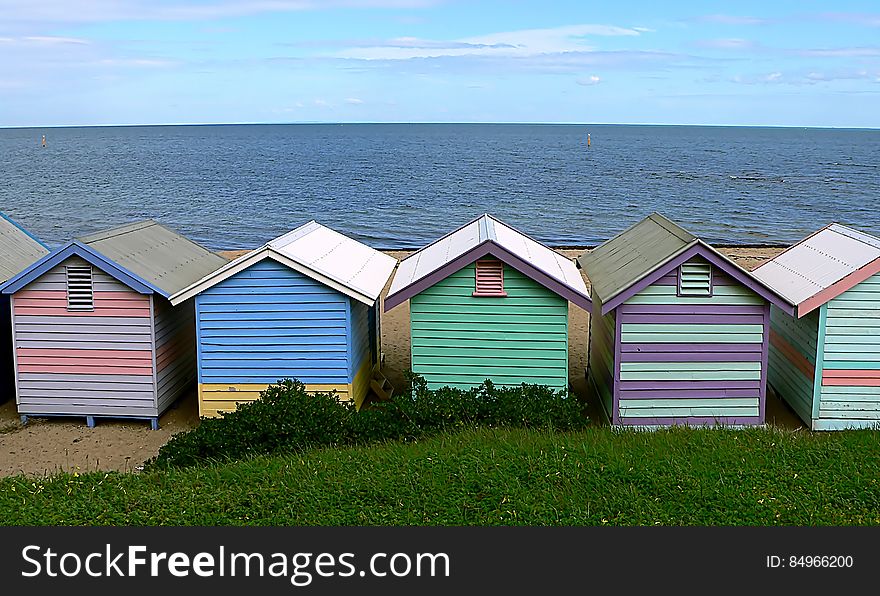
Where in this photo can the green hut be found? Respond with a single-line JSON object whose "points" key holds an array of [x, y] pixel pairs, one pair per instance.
{"points": [[488, 302]]}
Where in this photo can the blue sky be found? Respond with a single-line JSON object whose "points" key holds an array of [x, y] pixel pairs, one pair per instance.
{"points": [[673, 62]]}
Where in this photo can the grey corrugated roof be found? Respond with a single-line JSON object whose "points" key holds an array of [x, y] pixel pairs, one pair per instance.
{"points": [[620, 262], [160, 256], [18, 249]]}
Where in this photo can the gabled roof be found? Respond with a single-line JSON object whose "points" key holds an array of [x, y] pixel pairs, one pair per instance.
{"points": [[145, 256], [822, 266], [86, 253], [318, 252], [483, 236], [625, 259], [626, 264], [18, 248], [156, 254]]}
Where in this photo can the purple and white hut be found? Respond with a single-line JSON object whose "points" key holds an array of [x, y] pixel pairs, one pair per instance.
{"points": [[679, 333]]}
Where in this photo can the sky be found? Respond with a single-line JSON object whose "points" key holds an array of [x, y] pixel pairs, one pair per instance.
{"points": [[89, 62]]}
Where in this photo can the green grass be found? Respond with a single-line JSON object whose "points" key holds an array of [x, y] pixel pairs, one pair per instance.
{"points": [[491, 476]]}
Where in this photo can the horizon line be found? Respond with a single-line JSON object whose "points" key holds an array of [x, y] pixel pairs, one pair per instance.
{"points": [[372, 122]]}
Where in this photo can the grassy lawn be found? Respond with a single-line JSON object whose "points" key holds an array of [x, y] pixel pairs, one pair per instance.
{"points": [[491, 476]]}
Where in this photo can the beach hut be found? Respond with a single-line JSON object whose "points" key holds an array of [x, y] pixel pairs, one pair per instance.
{"points": [[678, 333], [18, 249], [303, 306], [825, 358], [94, 333], [488, 302]]}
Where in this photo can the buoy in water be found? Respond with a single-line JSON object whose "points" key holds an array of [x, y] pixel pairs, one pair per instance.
{"points": [[44, 140], [588, 139]]}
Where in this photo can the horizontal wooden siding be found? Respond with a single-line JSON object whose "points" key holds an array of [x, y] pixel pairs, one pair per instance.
{"points": [[175, 330], [691, 359], [460, 340], [602, 364], [850, 392], [792, 363], [361, 364], [269, 323], [96, 362]]}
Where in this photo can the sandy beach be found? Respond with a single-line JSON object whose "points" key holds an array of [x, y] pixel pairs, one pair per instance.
{"points": [[49, 445]]}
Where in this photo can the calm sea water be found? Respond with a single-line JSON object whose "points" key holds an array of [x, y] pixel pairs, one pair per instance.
{"points": [[403, 185]]}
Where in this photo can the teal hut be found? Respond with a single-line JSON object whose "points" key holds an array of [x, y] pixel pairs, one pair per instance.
{"points": [[488, 302], [825, 357]]}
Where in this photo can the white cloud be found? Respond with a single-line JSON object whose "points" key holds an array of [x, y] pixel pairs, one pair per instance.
{"points": [[729, 43], [142, 62], [590, 80], [55, 40], [527, 42], [354, 101], [321, 103], [856, 18], [808, 78], [841, 75], [772, 77], [726, 19], [841, 52], [90, 11]]}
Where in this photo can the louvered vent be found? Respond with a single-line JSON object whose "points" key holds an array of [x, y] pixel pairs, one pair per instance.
{"points": [[80, 295], [489, 279], [695, 279]]}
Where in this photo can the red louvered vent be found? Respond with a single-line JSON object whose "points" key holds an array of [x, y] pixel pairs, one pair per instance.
{"points": [[490, 279]]}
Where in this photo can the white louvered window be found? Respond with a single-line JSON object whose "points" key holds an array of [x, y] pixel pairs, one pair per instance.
{"points": [[695, 279], [489, 279], [80, 295]]}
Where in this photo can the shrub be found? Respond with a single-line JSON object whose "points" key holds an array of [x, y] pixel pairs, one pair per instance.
{"points": [[287, 419]]}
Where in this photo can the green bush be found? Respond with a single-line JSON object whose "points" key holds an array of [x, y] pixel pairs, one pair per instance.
{"points": [[287, 419]]}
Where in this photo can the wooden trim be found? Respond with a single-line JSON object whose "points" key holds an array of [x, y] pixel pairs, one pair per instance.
{"points": [[246, 261], [89, 255], [615, 393], [500, 253], [715, 258], [14, 356], [765, 362], [153, 351], [820, 360], [198, 344], [838, 288]]}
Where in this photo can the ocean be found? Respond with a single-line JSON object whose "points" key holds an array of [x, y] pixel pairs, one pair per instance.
{"points": [[404, 185]]}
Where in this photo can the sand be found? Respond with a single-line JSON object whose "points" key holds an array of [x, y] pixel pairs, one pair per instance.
{"points": [[49, 445]]}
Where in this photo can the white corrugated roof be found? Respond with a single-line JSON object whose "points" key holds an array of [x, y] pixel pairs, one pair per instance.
{"points": [[325, 255], [343, 259], [818, 262], [486, 229]]}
